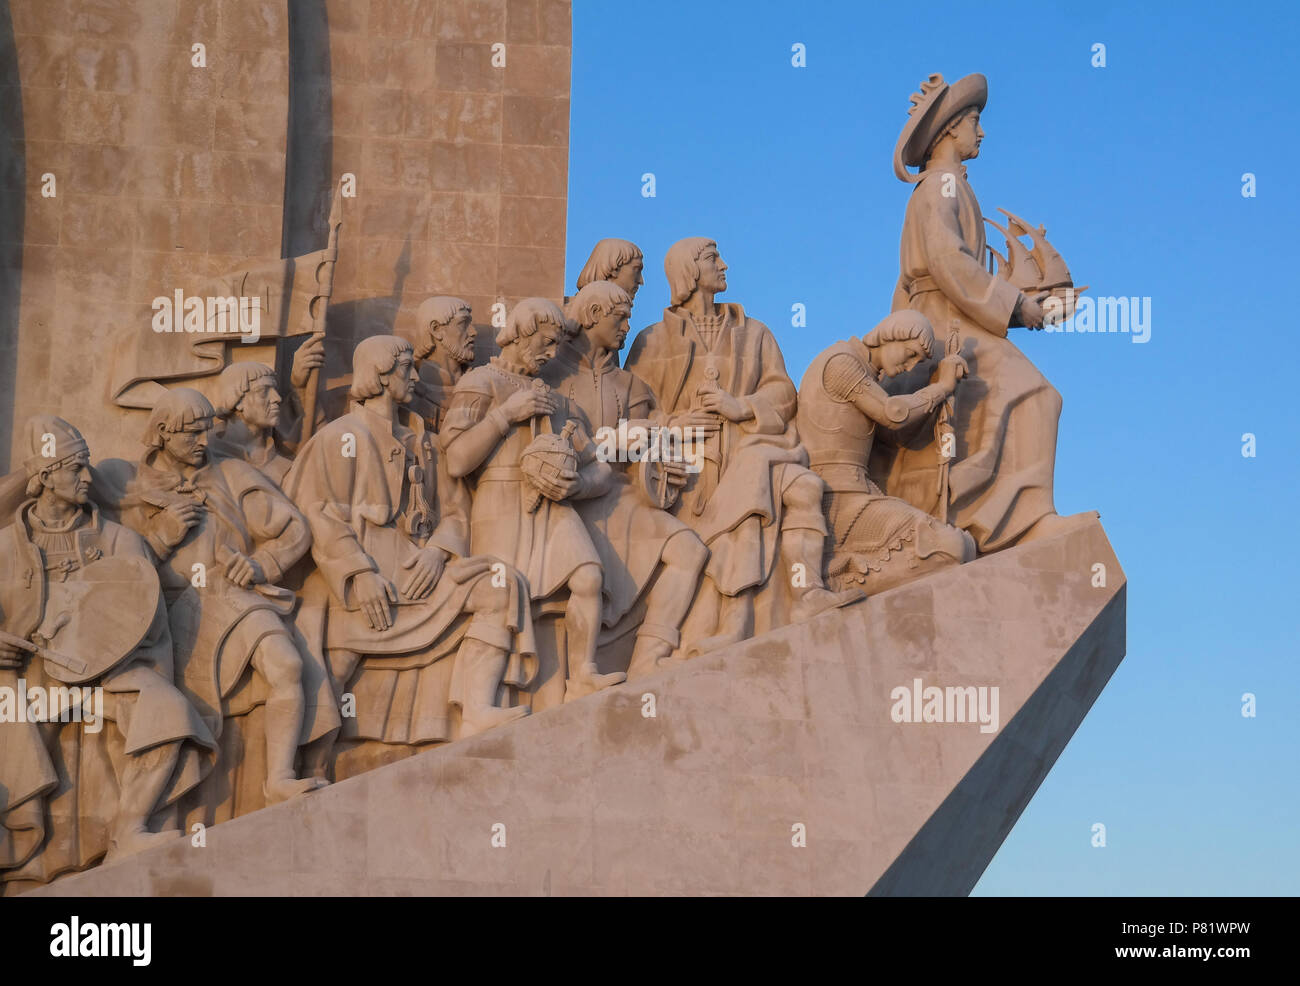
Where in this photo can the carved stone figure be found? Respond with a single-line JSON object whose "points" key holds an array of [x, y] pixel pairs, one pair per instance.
{"points": [[1006, 415], [619, 261], [877, 541], [85, 589], [249, 404], [710, 365], [527, 518], [444, 347], [644, 550], [225, 535], [391, 542]]}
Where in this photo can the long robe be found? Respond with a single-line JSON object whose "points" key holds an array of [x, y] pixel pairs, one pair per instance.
{"points": [[59, 781], [734, 503], [358, 507], [1006, 413]]}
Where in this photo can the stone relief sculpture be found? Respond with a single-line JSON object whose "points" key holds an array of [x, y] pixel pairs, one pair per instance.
{"points": [[639, 542], [878, 541], [250, 410], [82, 626], [285, 599], [619, 261], [391, 542], [1001, 477], [224, 535], [501, 415], [711, 366], [444, 348]]}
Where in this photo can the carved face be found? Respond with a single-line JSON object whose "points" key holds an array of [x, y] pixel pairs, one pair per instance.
{"points": [[70, 479], [610, 331], [628, 277], [400, 382], [538, 349], [260, 407], [458, 337], [190, 444], [968, 135], [713, 271], [894, 358]]}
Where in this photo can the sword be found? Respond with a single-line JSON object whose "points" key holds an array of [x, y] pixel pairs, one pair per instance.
{"points": [[943, 427], [62, 660]]}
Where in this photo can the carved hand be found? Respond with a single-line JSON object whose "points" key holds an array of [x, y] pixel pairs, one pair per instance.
{"points": [[705, 420], [426, 568], [243, 571], [310, 356], [1031, 310], [11, 657], [561, 487], [525, 404], [715, 399], [951, 369], [176, 519], [376, 596]]}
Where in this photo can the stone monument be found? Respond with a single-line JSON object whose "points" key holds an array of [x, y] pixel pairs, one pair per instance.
{"points": [[379, 525]]}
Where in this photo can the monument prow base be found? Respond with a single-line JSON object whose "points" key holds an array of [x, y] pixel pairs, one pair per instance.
{"points": [[776, 766]]}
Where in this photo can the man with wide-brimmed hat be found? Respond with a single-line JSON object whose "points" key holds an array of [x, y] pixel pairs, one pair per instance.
{"points": [[84, 589], [1007, 413]]}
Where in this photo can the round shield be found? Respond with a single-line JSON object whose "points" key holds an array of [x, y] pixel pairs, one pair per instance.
{"points": [[97, 617]]}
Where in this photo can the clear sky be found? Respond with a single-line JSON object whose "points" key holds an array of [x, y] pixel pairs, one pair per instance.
{"points": [[1136, 170]]}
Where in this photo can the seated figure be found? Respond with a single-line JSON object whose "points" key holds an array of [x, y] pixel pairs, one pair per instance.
{"points": [[391, 542], [645, 551], [504, 420]]}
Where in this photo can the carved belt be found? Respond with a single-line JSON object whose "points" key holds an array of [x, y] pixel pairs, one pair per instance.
{"points": [[501, 474], [921, 285]]}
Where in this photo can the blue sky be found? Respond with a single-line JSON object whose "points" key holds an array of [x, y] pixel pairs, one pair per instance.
{"points": [[1136, 170]]}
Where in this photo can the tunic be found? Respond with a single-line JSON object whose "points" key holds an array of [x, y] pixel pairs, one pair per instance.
{"points": [[550, 543], [629, 533]]}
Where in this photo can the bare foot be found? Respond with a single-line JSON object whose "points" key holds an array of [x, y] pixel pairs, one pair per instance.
{"points": [[283, 788]]}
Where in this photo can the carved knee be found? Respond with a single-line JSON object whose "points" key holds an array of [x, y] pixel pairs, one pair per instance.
{"points": [[586, 581], [279, 661]]}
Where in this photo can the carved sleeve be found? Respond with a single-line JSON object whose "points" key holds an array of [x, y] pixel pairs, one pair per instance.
{"points": [[472, 430], [278, 529], [962, 277], [773, 400]]}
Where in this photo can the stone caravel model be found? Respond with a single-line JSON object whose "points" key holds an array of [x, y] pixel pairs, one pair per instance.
{"points": [[320, 591]]}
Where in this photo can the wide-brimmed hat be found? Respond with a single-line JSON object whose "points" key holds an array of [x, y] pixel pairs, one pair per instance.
{"points": [[933, 108]]}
